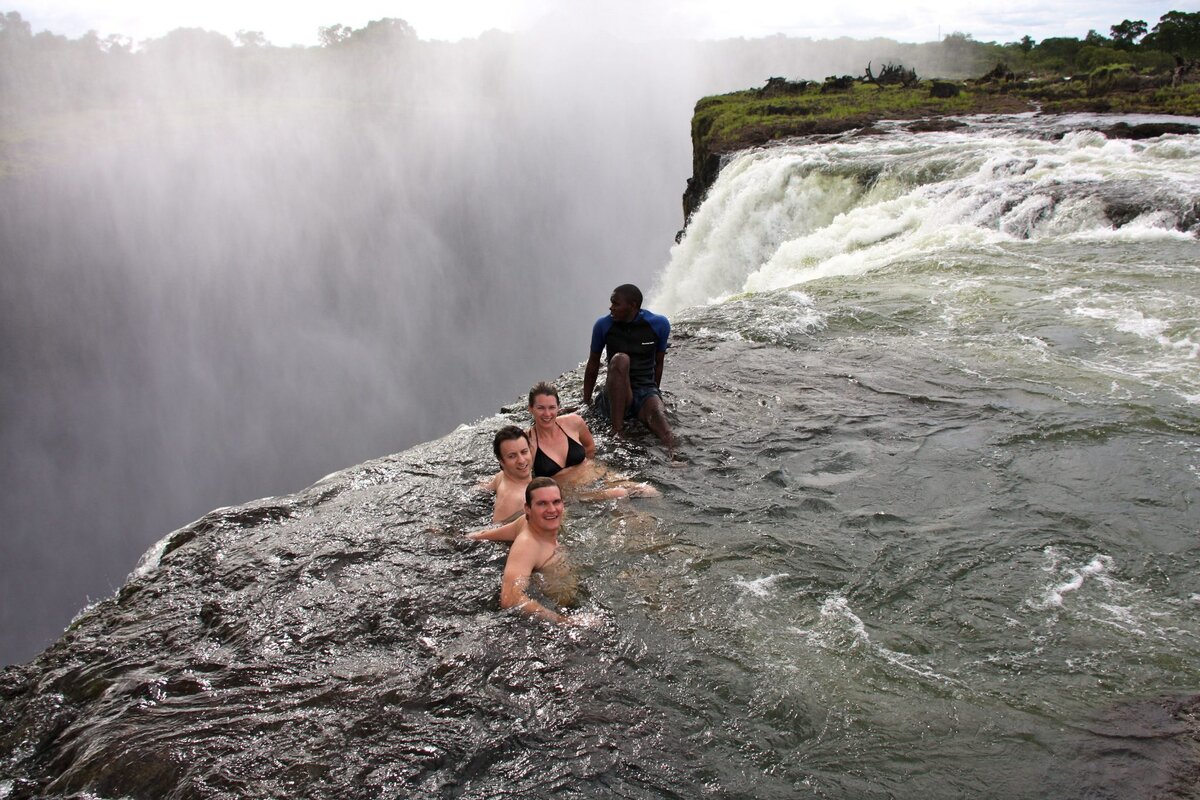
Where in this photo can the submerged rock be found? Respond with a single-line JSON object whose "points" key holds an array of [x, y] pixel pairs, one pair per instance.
{"points": [[1149, 130]]}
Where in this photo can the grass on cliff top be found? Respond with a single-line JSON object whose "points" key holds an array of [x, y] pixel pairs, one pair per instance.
{"points": [[723, 123], [730, 121], [1178, 101]]}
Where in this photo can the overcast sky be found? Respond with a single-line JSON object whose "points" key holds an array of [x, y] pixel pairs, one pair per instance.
{"points": [[903, 20]]}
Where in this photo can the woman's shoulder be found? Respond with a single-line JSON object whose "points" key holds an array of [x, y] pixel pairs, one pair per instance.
{"points": [[580, 431], [573, 421]]}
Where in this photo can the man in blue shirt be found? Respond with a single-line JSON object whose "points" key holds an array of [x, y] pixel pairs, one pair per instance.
{"points": [[636, 342]]}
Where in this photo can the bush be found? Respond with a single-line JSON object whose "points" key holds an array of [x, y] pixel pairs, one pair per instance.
{"points": [[1091, 58]]}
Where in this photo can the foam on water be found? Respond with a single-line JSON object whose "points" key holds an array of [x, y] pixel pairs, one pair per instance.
{"points": [[840, 629], [1129, 321], [1154, 226], [1068, 261], [762, 201], [760, 587], [1075, 578], [794, 214]]}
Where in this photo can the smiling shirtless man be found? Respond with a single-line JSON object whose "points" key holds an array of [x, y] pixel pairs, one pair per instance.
{"points": [[511, 446], [535, 552]]}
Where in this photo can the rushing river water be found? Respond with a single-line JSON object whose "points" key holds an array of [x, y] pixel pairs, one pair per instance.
{"points": [[935, 535]]}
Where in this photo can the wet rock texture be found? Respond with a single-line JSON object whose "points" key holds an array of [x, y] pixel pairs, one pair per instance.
{"points": [[341, 642]]}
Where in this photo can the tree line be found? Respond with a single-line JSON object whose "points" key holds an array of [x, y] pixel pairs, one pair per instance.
{"points": [[47, 71], [1175, 37]]}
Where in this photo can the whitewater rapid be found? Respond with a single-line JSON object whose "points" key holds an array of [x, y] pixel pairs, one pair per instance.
{"points": [[789, 214], [1098, 232]]}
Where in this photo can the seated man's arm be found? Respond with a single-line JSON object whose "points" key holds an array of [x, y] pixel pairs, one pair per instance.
{"points": [[590, 373]]}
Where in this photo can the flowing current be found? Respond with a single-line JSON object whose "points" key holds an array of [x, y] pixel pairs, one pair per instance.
{"points": [[935, 535], [953, 523]]}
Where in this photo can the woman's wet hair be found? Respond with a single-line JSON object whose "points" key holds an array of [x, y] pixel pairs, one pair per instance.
{"points": [[507, 433], [541, 388]]}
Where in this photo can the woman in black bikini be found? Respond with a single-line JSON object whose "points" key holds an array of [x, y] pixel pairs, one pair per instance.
{"points": [[560, 444], [563, 448]]}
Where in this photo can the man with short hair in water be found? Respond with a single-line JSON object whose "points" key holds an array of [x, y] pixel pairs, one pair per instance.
{"points": [[535, 551], [511, 446], [636, 343]]}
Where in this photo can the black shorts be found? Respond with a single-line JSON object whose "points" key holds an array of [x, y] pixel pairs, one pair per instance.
{"points": [[640, 395]]}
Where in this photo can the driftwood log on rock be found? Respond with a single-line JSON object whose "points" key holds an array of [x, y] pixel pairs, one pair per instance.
{"points": [[891, 75]]}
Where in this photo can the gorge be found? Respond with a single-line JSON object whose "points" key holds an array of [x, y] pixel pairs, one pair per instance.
{"points": [[935, 531], [936, 393]]}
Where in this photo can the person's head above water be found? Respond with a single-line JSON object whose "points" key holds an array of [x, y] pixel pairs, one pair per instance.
{"points": [[511, 447], [539, 483], [631, 293], [543, 505], [543, 388], [543, 405], [508, 433], [625, 303]]}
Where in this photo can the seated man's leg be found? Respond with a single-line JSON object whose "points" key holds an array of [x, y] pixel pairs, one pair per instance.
{"points": [[619, 393], [653, 414]]}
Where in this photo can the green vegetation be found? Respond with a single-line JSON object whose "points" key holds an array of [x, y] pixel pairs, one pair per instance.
{"points": [[733, 121], [1176, 36], [1137, 70]]}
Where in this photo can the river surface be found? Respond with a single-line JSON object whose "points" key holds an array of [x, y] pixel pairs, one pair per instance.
{"points": [[946, 480], [934, 534]]}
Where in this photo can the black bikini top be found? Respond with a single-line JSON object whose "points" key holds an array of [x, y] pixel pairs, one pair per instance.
{"points": [[546, 467]]}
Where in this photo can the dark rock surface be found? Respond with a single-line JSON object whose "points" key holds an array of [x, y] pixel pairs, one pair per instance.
{"points": [[344, 641], [1149, 130]]}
